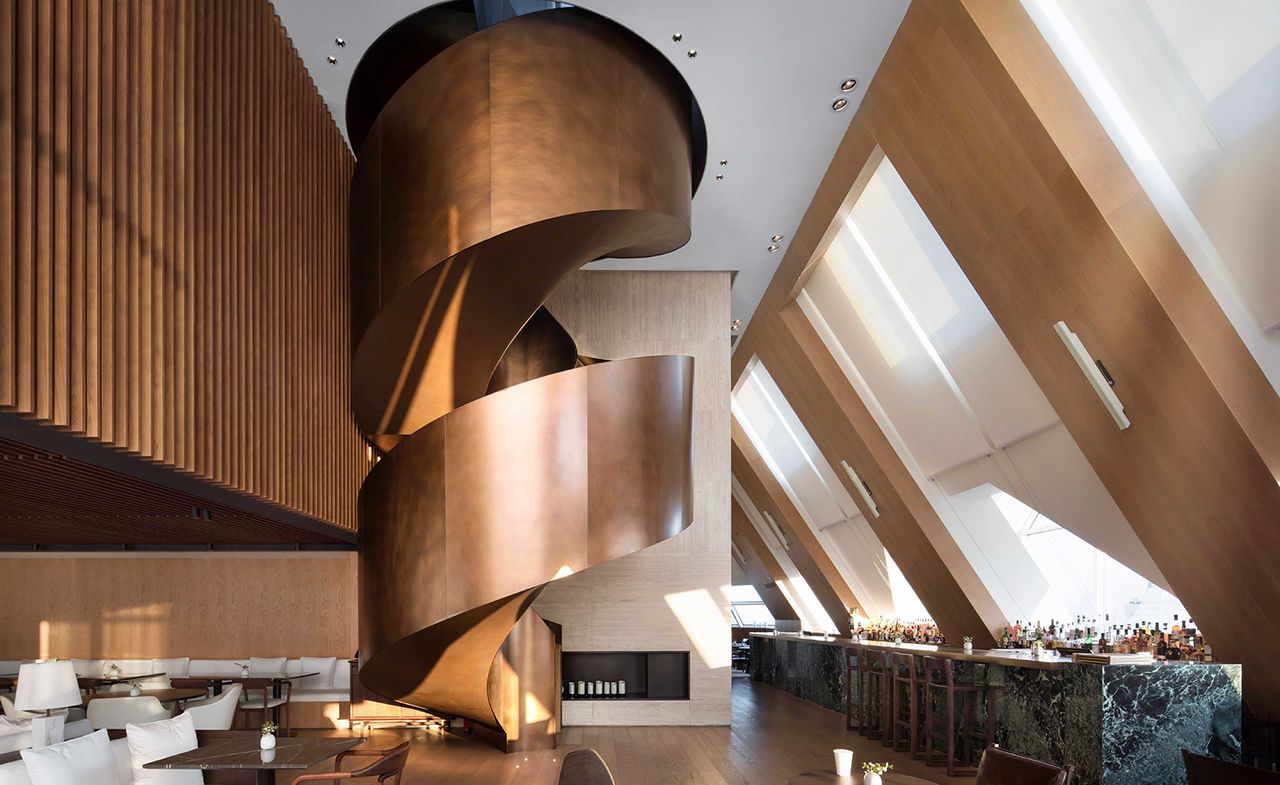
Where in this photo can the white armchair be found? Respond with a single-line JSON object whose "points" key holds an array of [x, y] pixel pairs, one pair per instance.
{"points": [[216, 713], [116, 713], [13, 713]]}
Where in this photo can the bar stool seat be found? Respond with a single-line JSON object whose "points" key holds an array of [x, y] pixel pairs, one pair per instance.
{"points": [[940, 681], [906, 705]]}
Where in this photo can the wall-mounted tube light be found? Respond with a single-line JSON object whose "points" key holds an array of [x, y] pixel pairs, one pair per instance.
{"points": [[737, 553], [1089, 367], [777, 530], [861, 487]]}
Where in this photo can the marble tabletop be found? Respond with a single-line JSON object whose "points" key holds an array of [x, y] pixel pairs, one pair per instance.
{"points": [[829, 777], [242, 752]]}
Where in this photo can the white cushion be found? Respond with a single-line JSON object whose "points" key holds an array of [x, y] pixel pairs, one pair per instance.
{"points": [[92, 668], [155, 740], [124, 766], [175, 668], [266, 667], [324, 666], [14, 773], [87, 759]]}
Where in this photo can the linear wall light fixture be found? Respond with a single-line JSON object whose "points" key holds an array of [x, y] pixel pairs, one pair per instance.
{"points": [[776, 529], [1092, 371], [737, 553], [861, 487]]}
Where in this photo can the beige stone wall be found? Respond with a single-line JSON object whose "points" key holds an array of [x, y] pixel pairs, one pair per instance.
{"points": [[672, 596]]}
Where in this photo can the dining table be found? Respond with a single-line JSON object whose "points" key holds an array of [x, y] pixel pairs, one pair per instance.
{"points": [[217, 682], [829, 777], [107, 681], [241, 752], [176, 696]]}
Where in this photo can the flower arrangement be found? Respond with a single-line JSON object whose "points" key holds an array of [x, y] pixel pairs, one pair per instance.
{"points": [[112, 668], [244, 668], [876, 768], [269, 728], [967, 640]]}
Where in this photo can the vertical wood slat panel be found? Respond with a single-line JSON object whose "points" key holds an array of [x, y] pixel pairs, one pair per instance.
{"points": [[173, 216], [24, 227], [8, 235]]}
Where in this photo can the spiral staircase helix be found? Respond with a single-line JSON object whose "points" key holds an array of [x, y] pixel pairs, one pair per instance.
{"points": [[506, 160]]}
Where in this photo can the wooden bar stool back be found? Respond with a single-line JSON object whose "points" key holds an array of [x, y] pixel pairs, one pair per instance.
{"points": [[871, 693], [852, 688], [957, 696], [905, 688]]}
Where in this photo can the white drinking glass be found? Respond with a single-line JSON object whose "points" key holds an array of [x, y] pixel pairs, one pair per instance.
{"points": [[844, 762]]}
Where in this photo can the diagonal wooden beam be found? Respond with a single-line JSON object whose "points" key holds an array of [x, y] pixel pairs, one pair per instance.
{"points": [[761, 568], [845, 430], [808, 555]]}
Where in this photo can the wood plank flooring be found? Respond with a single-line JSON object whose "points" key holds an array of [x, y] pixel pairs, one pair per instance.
{"points": [[774, 736]]}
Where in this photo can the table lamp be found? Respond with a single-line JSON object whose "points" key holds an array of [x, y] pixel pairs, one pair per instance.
{"points": [[43, 686]]}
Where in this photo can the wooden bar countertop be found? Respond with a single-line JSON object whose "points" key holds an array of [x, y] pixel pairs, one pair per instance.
{"points": [[1013, 658]]}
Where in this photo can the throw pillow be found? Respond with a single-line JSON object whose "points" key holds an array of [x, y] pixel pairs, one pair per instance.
{"points": [[76, 762], [151, 741]]}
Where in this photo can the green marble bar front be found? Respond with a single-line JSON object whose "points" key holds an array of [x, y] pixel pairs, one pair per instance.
{"points": [[1116, 724]]}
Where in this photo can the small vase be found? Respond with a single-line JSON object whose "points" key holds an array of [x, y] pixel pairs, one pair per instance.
{"points": [[268, 756], [135, 691], [268, 741], [871, 779], [968, 648], [244, 672]]}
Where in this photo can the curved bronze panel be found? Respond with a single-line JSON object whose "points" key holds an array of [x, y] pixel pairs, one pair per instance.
{"points": [[508, 160]]}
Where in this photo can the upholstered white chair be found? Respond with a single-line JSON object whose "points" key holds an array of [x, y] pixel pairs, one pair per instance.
{"points": [[13, 713], [216, 713], [258, 701], [116, 713]]}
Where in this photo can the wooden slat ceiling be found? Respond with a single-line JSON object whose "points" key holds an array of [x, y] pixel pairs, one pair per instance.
{"points": [[54, 500]]}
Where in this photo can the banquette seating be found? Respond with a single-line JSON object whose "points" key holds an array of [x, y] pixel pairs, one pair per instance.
{"points": [[331, 684]]}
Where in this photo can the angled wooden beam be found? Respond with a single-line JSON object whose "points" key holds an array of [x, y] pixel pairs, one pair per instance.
{"points": [[1047, 222], [807, 554], [760, 567], [845, 430]]}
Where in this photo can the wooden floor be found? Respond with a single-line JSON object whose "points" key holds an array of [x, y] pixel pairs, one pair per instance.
{"points": [[774, 737]]}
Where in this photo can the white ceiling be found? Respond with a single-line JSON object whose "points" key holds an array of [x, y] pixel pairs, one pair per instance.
{"points": [[765, 75]]}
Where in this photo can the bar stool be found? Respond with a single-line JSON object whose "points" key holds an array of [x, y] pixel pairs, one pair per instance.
{"points": [[872, 694], [906, 705], [941, 681], [852, 676]]}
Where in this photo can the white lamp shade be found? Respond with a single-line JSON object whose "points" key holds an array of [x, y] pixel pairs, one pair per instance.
{"points": [[47, 685]]}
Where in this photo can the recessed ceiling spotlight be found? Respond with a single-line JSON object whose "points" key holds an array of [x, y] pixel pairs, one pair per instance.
{"points": [[736, 326], [839, 104], [677, 37], [848, 84], [340, 41], [719, 177], [777, 238], [773, 249], [693, 52], [724, 161], [333, 60]]}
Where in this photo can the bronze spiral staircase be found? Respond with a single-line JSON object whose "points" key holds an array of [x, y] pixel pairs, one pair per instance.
{"points": [[490, 164]]}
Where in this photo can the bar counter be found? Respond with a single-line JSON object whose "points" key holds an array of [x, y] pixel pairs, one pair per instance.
{"points": [[1117, 724]]}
